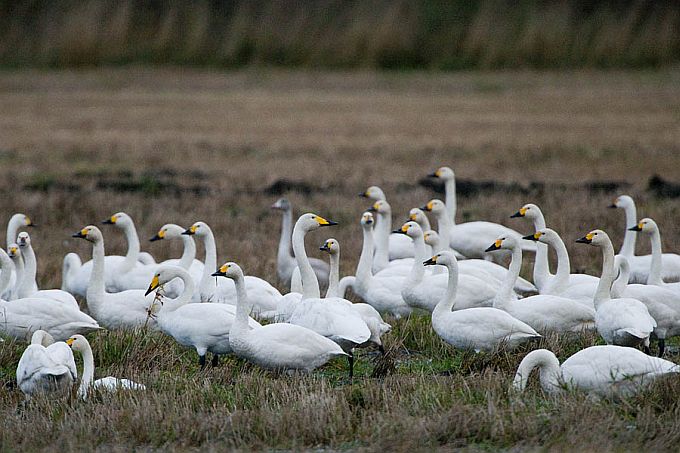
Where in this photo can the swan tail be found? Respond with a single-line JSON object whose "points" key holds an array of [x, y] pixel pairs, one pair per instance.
{"points": [[71, 263], [634, 332]]}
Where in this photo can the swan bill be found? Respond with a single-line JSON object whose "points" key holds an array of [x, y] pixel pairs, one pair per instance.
{"points": [[155, 283], [82, 234], [431, 262], [110, 221], [533, 237], [637, 227], [587, 239], [495, 246], [323, 222], [221, 272]]}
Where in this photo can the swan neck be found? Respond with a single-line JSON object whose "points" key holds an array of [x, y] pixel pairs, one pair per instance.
{"points": [[87, 380], [451, 205], [504, 295], [382, 233], [209, 265], [418, 268], [563, 263], [19, 277], [364, 272], [542, 263], [603, 292], [548, 367], [284, 253], [444, 225], [334, 276], [310, 285], [15, 222], [96, 288], [30, 270], [189, 252], [7, 268], [445, 305], [170, 305], [243, 305], [628, 246], [133, 248], [656, 270]]}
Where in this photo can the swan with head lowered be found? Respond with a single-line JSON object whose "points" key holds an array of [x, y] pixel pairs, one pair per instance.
{"points": [[640, 264], [285, 260], [87, 382], [600, 370], [46, 366], [471, 238], [122, 310], [479, 328], [542, 312], [278, 346], [204, 327], [263, 295], [620, 321]]}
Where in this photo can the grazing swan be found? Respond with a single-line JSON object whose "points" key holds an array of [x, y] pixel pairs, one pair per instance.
{"points": [[204, 327], [600, 370], [122, 310], [542, 312], [425, 291], [382, 293], [387, 246], [285, 260], [110, 384], [624, 321], [27, 285], [46, 366], [480, 328], [332, 317], [263, 295], [370, 315], [640, 264], [471, 238], [278, 346]]}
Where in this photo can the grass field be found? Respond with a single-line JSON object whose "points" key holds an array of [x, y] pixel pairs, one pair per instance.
{"points": [[184, 145]]}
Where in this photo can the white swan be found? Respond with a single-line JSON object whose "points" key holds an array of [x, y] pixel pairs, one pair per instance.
{"points": [[658, 261], [370, 315], [122, 310], [640, 264], [285, 260], [278, 346], [87, 382], [388, 246], [600, 370], [471, 238], [263, 295], [46, 366], [382, 293], [480, 328], [623, 321], [204, 327], [16, 222], [332, 317], [542, 312]]}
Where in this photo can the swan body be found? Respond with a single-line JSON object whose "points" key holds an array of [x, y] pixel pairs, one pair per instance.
{"points": [[600, 370], [480, 328], [46, 366], [278, 346], [542, 312], [110, 384], [655, 277], [622, 321], [285, 261]]}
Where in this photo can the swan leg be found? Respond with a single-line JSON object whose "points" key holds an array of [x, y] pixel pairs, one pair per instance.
{"points": [[381, 348], [350, 359], [201, 361], [662, 346], [215, 360], [646, 350]]}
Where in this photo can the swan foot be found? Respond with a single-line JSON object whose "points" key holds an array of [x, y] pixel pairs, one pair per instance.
{"points": [[215, 360], [201, 361], [662, 346]]}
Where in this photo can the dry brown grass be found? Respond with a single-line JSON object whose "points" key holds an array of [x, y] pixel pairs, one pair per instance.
{"points": [[223, 138]]}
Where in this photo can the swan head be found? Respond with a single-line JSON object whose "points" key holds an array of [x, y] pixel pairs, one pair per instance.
{"points": [[595, 237], [198, 229], [331, 246], [416, 215], [78, 343], [310, 222], [163, 275], [545, 235], [367, 220], [529, 210], [443, 258], [229, 270], [89, 233], [120, 219], [431, 238], [374, 193], [381, 207], [622, 202], [168, 231], [22, 219], [645, 225], [13, 251], [282, 204], [435, 206], [504, 243], [23, 239], [444, 173], [410, 229]]}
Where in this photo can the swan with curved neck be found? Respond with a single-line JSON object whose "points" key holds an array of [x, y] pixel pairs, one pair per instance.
{"points": [[478, 328], [204, 327], [285, 260], [542, 312], [263, 294], [601, 370], [87, 382], [625, 321], [16, 222], [45, 366], [278, 346]]}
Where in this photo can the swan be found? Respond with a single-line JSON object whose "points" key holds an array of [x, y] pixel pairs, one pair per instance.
{"points": [[332, 317], [16, 222], [600, 370], [621, 321], [110, 384], [122, 310], [263, 295], [28, 279], [471, 238], [542, 276], [188, 259], [418, 215], [285, 261], [649, 227], [368, 314], [542, 312], [478, 328], [204, 327], [388, 246], [425, 291], [277, 346], [46, 366], [382, 293], [640, 264]]}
